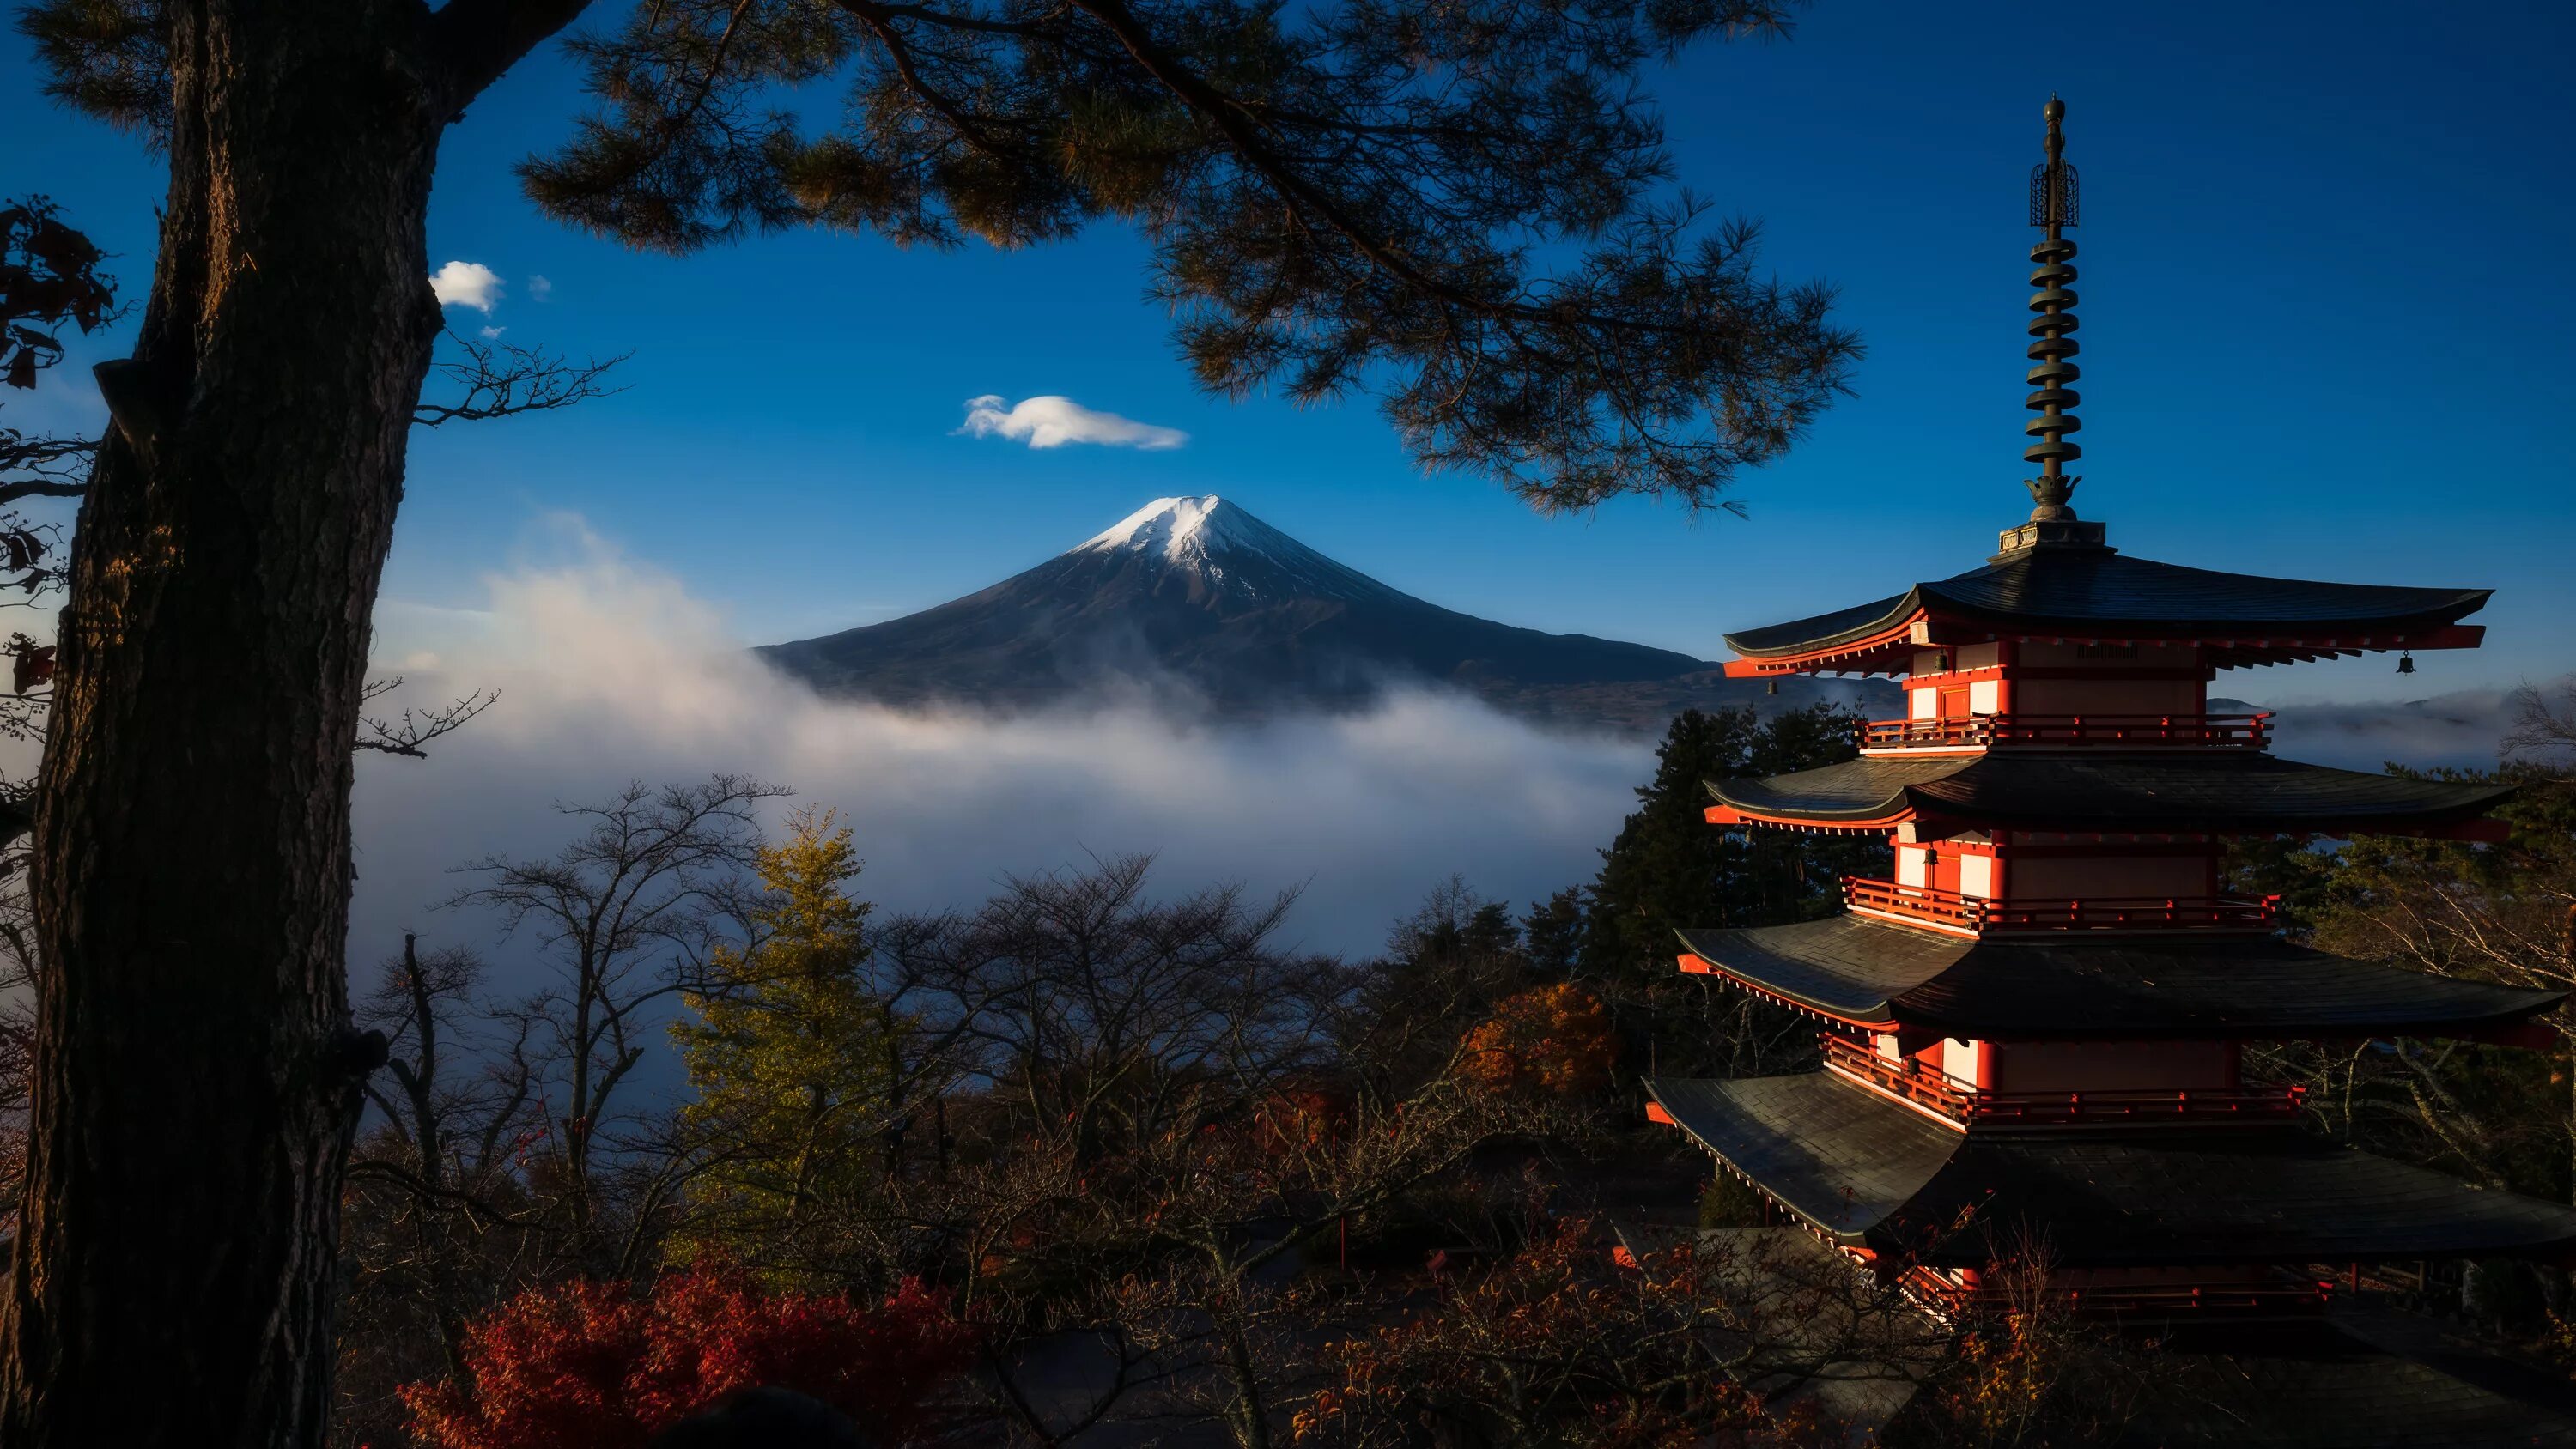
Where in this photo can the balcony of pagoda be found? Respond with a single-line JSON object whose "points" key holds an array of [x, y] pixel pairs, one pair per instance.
{"points": [[2184, 1293], [1956, 734], [1964, 915], [1928, 1087]]}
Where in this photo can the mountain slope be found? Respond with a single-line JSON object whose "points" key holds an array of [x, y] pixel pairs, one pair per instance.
{"points": [[1197, 600]]}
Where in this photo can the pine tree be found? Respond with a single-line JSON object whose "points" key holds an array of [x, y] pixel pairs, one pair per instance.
{"points": [[1669, 868], [1553, 930], [794, 1062]]}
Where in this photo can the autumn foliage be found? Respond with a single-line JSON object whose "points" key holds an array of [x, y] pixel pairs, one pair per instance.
{"points": [[1303, 1117], [1551, 1347], [1551, 1039], [589, 1366]]}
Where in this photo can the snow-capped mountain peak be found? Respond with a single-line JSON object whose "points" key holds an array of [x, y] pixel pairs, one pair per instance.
{"points": [[1176, 528], [1219, 542], [1195, 600]]}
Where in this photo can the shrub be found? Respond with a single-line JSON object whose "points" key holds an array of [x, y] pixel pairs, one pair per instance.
{"points": [[588, 1365]]}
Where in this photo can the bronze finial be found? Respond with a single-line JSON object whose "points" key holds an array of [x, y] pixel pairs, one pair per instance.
{"points": [[2053, 206]]}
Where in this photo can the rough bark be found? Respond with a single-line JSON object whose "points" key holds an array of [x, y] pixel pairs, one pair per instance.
{"points": [[196, 1079]]}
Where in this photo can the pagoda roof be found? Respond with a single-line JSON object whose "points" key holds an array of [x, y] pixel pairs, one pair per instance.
{"points": [[1873, 973], [2236, 790], [1873, 1173], [2100, 593]]}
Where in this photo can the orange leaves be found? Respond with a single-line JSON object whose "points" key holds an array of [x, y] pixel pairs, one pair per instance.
{"points": [[586, 1366], [1553, 1039]]}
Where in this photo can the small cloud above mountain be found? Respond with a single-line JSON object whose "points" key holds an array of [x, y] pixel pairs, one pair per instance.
{"points": [[467, 284], [1052, 422]]}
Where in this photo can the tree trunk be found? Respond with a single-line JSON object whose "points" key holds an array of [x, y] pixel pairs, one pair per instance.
{"points": [[195, 1078]]}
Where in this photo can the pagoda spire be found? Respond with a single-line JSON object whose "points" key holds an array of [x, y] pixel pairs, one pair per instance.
{"points": [[2054, 206]]}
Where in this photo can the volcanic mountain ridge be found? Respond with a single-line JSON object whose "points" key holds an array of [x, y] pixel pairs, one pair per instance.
{"points": [[1194, 603]]}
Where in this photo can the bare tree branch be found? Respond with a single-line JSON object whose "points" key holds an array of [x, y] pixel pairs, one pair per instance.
{"points": [[416, 728], [502, 381]]}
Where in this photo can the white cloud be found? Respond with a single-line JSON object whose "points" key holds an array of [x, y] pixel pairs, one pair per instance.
{"points": [[467, 284], [1052, 422], [493, 334], [2463, 728], [610, 671], [539, 289]]}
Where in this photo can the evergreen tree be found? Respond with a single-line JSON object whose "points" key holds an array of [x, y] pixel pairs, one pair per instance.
{"points": [[1669, 868], [1452, 926], [792, 1059], [1552, 932]]}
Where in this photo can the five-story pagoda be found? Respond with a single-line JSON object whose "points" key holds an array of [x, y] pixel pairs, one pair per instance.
{"points": [[2033, 1033]]}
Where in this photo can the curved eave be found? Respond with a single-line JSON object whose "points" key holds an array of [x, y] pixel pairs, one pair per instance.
{"points": [[1878, 1016], [2089, 792], [1920, 1148], [1859, 974], [1854, 627], [2091, 596], [1873, 1174]]}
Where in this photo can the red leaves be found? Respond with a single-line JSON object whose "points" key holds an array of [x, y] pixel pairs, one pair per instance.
{"points": [[585, 1366]]}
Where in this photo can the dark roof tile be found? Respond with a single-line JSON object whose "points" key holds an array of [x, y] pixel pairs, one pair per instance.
{"points": [[1877, 1174], [2217, 790], [2120, 987], [2105, 593]]}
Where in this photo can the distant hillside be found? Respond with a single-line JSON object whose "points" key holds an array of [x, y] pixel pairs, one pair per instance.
{"points": [[1197, 602], [2463, 728]]}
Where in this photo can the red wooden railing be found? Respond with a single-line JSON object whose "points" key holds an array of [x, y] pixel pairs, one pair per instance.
{"points": [[2091, 913], [2200, 1106], [1921, 903], [2228, 731], [2267, 1293]]}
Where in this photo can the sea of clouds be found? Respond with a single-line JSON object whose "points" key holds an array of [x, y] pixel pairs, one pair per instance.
{"points": [[611, 670]]}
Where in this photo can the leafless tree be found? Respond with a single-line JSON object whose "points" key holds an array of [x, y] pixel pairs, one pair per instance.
{"points": [[625, 918], [1159, 1125], [442, 1220], [2544, 723]]}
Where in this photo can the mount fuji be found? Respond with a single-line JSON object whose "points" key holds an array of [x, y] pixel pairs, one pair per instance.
{"points": [[1194, 602]]}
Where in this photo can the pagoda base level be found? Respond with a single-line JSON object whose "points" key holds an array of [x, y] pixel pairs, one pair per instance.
{"points": [[1874, 1174]]}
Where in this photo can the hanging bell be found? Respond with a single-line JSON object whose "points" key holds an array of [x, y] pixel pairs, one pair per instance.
{"points": [[2405, 663]]}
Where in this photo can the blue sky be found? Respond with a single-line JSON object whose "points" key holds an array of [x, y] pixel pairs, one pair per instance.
{"points": [[2325, 313]]}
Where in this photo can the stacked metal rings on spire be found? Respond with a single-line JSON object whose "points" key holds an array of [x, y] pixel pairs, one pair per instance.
{"points": [[2053, 205], [2053, 342]]}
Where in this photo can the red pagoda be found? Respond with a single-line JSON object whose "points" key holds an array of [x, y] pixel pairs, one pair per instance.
{"points": [[2033, 1033]]}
